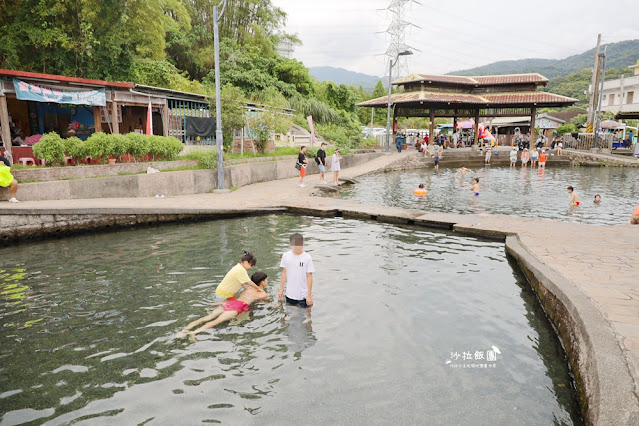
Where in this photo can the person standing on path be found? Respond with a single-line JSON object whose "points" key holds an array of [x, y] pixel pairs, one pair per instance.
{"points": [[455, 139], [7, 180], [297, 274], [302, 162], [336, 166], [320, 159]]}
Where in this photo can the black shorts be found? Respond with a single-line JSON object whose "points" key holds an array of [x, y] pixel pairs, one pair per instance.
{"points": [[301, 303]]}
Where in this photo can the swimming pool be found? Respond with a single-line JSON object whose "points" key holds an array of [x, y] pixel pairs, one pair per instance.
{"points": [[509, 191], [88, 326]]}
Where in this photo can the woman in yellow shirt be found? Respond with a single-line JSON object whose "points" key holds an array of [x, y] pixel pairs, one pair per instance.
{"points": [[237, 277]]}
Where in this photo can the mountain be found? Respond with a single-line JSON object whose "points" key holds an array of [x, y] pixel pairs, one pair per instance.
{"points": [[618, 55], [342, 76]]}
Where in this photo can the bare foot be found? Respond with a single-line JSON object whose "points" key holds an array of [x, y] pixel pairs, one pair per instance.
{"points": [[192, 337]]}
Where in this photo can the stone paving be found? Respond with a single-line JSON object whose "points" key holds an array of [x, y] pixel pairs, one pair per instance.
{"points": [[601, 261]]}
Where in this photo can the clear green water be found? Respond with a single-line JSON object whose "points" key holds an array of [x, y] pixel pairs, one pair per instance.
{"points": [[88, 326], [510, 191]]}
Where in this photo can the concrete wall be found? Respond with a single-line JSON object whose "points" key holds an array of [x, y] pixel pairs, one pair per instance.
{"points": [[169, 183]]}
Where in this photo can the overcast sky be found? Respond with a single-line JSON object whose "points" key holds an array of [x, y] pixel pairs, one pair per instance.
{"points": [[456, 34]]}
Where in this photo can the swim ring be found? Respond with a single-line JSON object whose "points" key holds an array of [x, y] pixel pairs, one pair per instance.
{"points": [[420, 191]]}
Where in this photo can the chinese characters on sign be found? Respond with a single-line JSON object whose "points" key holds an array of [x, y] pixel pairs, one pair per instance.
{"points": [[476, 359]]}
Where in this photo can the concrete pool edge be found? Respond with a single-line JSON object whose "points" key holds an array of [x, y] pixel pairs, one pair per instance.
{"points": [[606, 387]]}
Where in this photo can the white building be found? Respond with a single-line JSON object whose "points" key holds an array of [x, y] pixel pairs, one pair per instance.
{"points": [[621, 96]]}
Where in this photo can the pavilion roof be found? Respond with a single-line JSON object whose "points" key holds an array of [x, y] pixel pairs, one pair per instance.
{"points": [[474, 81], [499, 99]]}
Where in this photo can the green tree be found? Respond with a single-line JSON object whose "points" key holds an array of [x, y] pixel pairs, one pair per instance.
{"points": [[233, 112]]}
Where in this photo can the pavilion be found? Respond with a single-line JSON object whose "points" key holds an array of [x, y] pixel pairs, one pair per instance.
{"points": [[456, 96]]}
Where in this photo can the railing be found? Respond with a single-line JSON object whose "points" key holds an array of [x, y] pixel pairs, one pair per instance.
{"points": [[586, 141]]}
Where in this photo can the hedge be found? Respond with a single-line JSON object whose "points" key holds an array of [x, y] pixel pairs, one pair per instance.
{"points": [[52, 148]]}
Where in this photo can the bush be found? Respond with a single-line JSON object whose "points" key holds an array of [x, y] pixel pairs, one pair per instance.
{"points": [[100, 145], [138, 144], [76, 148], [50, 148], [119, 145], [567, 128], [167, 148]]}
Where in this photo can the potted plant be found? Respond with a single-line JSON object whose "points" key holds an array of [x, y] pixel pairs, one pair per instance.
{"points": [[100, 146], [50, 148]]}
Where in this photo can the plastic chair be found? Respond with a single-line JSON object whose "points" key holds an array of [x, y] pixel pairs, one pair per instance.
{"points": [[27, 161]]}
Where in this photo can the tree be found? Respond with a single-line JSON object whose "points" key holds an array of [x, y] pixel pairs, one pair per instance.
{"points": [[233, 112]]}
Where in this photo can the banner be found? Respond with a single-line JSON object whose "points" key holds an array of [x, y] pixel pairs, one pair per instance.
{"points": [[310, 124], [35, 92]]}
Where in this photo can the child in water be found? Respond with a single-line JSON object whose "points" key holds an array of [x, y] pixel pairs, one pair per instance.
{"points": [[634, 220], [231, 309], [574, 198], [513, 157], [597, 199], [237, 277], [475, 188]]}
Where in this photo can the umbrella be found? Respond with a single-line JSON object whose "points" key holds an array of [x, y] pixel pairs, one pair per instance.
{"points": [[32, 139], [610, 124], [468, 124]]}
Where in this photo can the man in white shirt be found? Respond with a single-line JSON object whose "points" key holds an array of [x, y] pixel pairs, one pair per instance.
{"points": [[297, 274]]}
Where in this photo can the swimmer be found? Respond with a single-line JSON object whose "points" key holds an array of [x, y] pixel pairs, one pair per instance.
{"points": [[231, 308], [597, 199], [475, 188], [634, 220], [463, 170], [574, 198], [420, 191]]}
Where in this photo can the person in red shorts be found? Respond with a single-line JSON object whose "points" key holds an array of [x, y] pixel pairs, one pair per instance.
{"points": [[231, 308], [303, 163], [574, 198]]}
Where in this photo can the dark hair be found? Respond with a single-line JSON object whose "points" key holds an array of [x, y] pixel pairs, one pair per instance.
{"points": [[476, 180], [597, 195], [323, 144], [570, 188], [258, 277], [302, 147], [297, 239], [248, 257], [421, 185]]}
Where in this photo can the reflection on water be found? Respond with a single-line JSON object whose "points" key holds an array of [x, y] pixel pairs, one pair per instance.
{"points": [[524, 192], [89, 327]]}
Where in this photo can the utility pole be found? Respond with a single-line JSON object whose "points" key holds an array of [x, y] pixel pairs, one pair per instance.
{"points": [[594, 88], [603, 77], [218, 107]]}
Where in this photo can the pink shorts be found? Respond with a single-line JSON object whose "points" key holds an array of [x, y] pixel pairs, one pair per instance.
{"points": [[232, 304]]}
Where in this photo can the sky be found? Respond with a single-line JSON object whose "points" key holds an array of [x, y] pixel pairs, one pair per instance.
{"points": [[455, 34]]}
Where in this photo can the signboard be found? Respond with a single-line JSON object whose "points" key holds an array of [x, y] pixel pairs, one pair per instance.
{"points": [[108, 110], [39, 93]]}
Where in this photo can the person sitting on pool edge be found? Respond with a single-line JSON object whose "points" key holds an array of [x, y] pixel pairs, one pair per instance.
{"points": [[574, 198], [7, 180], [232, 308]]}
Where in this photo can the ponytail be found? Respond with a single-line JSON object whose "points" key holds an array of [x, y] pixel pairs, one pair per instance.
{"points": [[248, 257]]}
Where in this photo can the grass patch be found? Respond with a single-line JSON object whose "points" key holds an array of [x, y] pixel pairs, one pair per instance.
{"points": [[30, 181], [70, 178]]}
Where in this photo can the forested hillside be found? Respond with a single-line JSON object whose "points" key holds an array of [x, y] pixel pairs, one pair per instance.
{"points": [[169, 43], [618, 55]]}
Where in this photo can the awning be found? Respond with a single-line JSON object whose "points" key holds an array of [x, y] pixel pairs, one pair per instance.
{"points": [[59, 95]]}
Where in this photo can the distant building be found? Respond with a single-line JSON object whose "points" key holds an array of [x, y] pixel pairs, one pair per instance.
{"points": [[621, 96]]}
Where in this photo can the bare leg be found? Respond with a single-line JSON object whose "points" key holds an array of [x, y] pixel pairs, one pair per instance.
{"points": [[226, 316], [202, 320], [13, 189]]}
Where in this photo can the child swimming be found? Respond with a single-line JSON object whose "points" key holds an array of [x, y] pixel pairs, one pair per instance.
{"points": [[237, 277], [232, 308], [574, 198], [597, 199], [463, 170], [475, 188]]}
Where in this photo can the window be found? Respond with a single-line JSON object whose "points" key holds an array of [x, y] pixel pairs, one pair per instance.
{"points": [[630, 97], [611, 99]]}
